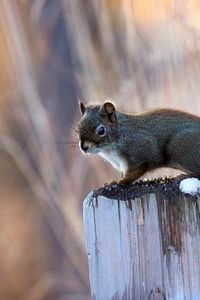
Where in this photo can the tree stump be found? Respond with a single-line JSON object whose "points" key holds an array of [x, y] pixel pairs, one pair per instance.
{"points": [[143, 242]]}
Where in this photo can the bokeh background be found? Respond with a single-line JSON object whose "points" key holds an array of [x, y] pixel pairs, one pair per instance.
{"points": [[139, 53]]}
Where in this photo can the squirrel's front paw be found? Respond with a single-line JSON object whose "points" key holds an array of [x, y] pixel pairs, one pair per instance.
{"points": [[123, 182]]}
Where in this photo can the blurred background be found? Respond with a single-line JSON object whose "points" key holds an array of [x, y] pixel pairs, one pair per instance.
{"points": [[141, 54]]}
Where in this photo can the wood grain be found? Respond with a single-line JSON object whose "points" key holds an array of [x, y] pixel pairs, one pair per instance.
{"points": [[147, 250]]}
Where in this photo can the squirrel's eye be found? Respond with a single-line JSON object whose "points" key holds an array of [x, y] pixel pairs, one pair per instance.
{"points": [[101, 130]]}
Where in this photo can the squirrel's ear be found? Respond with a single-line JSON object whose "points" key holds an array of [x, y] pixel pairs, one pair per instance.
{"points": [[82, 108], [108, 110]]}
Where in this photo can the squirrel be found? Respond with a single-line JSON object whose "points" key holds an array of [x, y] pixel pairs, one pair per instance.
{"points": [[136, 143]]}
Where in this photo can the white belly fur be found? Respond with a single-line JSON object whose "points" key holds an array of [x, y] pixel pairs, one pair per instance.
{"points": [[115, 160]]}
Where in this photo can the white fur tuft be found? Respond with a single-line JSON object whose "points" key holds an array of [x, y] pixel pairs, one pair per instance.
{"points": [[115, 160]]}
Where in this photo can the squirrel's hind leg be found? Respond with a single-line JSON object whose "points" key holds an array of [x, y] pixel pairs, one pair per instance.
{"points": [[184, 152]]}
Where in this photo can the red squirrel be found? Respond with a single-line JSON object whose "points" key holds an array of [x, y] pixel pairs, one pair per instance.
{"points": [[136, 143]]}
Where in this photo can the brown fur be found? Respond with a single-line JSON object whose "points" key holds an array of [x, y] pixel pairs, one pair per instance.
{"points": [[146, 140]]}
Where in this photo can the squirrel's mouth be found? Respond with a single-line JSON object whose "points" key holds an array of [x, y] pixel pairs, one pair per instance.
{"points": [[88, 147]]}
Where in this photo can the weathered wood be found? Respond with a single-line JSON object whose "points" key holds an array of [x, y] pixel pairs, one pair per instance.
{"points": [[144, 248]]}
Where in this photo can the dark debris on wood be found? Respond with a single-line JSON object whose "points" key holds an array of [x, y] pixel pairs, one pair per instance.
{"points": [[168, 187]]}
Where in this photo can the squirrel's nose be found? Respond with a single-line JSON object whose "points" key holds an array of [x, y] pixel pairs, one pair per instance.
{"points": [[84, 146]]}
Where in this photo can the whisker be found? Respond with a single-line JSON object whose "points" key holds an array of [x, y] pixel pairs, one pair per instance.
{"points": [[65, 143], [69, 146], [72, 122], [70, 155]]}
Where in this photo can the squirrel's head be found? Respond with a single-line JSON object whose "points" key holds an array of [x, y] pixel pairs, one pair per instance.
{"points": [[97, 128]]}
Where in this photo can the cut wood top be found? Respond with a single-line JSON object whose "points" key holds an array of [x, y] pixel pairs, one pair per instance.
{"points": [[168, 187]]}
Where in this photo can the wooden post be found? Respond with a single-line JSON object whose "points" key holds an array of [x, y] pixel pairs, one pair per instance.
{"points": [[143, 242]]}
